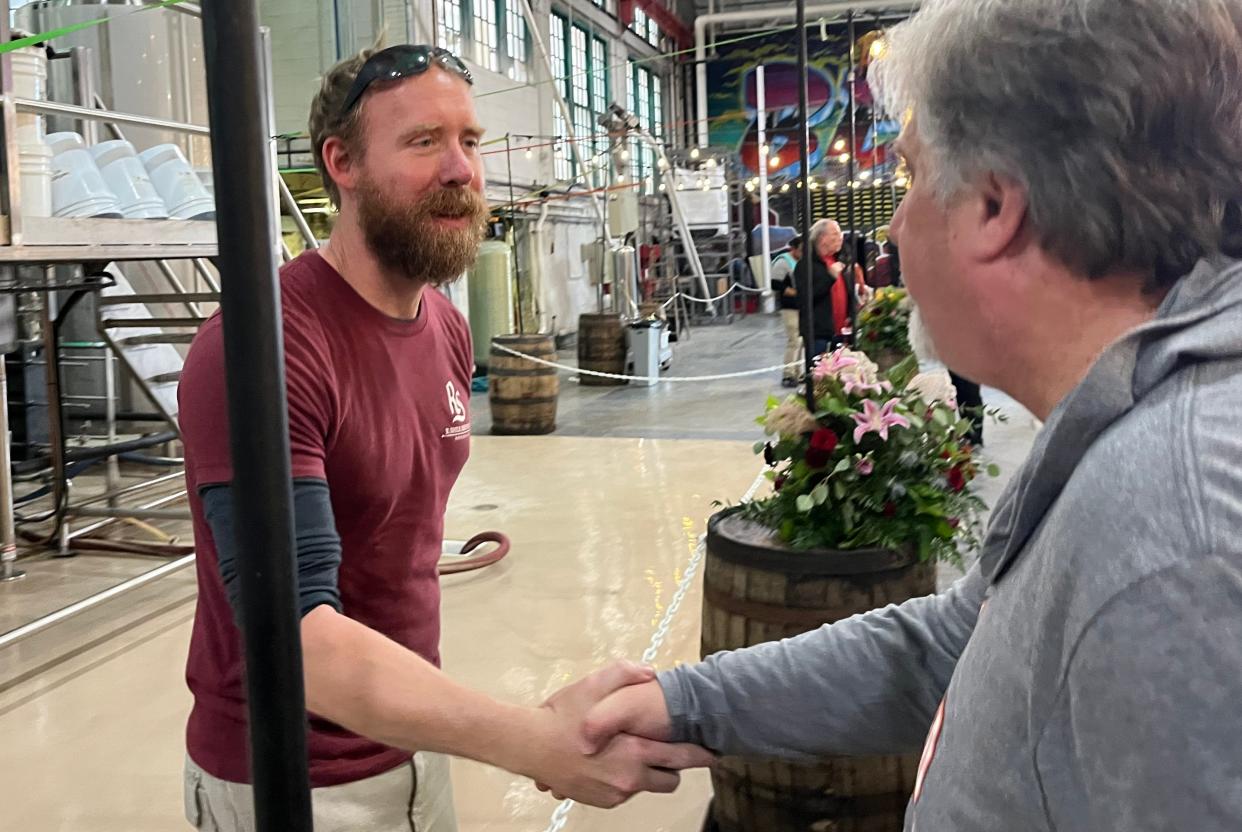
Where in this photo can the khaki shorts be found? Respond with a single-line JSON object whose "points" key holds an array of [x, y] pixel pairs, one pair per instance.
{"points": [[416, 796]]}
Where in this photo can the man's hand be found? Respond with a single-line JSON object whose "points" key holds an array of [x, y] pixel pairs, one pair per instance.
{"points": [[638, 710], [600, 770]]}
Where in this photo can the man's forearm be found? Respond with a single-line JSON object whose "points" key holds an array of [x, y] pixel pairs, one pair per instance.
{"points": [[866, 685], [374, 687]]}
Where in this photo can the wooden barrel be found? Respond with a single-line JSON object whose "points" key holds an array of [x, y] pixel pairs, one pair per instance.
{"points": [[755, 590], [601, 349], [522, 393]]}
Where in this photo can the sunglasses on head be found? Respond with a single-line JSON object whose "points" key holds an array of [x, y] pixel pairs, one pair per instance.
{"points": [[402, 61]]}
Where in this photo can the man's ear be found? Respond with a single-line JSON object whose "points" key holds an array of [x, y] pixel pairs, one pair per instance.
{"points": [[990, 216], [340, 163]]}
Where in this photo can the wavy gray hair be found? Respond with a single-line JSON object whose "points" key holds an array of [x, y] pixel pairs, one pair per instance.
{"points": [[1122, 119], [818, 230]]}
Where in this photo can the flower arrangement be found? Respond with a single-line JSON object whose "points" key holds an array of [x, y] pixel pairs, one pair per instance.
{"points": [[883, 324], [881, 463]]}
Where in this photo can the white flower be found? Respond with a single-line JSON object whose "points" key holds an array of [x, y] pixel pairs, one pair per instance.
{"points": [[934, 387], [789, 419]]}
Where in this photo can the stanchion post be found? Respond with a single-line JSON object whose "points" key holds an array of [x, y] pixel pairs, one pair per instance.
{"points": [[259, 435], [805, 299]]}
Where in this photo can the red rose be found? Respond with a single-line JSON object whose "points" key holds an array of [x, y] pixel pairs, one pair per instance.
{"points": [[890, 509], [873, 336], [954, 522], [779, 481], [824, 440], [823, 443], [957, 479]]}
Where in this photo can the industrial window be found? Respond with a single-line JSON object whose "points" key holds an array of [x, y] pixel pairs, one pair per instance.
{"points": [[517, 40], [486, 35], [492, 33], [581, 62], [451, 32], [645, 99], [646, 28]]}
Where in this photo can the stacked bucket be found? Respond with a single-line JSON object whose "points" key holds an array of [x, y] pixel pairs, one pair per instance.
{"points": [[61, 176]]}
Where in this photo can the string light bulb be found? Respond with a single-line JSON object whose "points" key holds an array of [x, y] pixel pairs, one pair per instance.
{"points": [[694, 153], [901, 182], [839, 146], [879, 48], [662, 188], [799, 183], [866, 174], [814, 184], [843, 158], [785, 188], [775, 161], [711, 163], [663, 163], [530, 154], [625, 155], [750, 186]]}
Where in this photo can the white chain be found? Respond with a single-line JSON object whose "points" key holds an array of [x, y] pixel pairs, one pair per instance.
{"points": [[669, 379], [560, 816]]}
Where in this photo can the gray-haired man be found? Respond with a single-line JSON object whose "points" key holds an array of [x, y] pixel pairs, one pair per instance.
{"points": [[1072, 236]]}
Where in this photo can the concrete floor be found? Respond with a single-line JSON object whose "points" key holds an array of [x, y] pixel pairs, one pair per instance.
{"points": [[603, 516]]}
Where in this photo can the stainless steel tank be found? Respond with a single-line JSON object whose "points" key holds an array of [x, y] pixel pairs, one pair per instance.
{"points": [[149, 63]]}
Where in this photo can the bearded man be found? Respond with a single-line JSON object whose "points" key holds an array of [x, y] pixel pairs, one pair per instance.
{"points": [[378, 374]]}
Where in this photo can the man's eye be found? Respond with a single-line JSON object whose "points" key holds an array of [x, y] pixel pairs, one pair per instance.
{"points": [[423, 141], [473, 144]]}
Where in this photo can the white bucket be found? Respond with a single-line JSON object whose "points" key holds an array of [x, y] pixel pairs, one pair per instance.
{"points": [[35, 162], [177, 184], [128, 179], [30, 73], [78, 188]]}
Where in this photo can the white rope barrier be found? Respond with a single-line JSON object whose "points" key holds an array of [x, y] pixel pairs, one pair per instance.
{"points": [[668, 380], [729, 291], [560, 816]]}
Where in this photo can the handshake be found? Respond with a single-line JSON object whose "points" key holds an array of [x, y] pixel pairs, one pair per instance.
{"points": [[605, 738]]}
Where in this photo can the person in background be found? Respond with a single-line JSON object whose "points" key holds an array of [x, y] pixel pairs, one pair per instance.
{"points": [[1085, 674], [378, 375], [834, 301], [970, 401], [784, 279]]}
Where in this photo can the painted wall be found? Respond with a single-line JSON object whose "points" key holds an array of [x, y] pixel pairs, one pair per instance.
{"points": [[733, 103]]}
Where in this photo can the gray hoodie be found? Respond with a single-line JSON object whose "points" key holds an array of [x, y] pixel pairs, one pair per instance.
{"points": [[1100, 688]]}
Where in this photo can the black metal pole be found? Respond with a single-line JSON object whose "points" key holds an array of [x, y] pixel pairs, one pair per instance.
{"points": [[851, 255], [804, 197], [259, 431]]}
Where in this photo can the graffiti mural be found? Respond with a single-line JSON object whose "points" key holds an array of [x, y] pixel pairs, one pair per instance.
{"points": [[733, 104]]}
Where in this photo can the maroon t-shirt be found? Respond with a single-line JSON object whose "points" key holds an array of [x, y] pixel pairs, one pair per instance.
{"points": [[379, 408]]}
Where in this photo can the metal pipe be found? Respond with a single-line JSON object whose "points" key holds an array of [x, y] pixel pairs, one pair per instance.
{"points": [[205, 274], [12, 193], [140, 513], [761, 100], [84, 89], [53, 108], [806, 299], [40, 624], [258, 417], [295, 211], [130, 489], [703, 21], [532, 26], [157, 503], [851, 256], [175, 283], [8, 530], [140, 381]]}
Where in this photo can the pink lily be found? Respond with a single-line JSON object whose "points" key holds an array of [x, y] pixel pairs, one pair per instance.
{"points": [[856, 385], [878, 419], [864, 466], [832, 364]]}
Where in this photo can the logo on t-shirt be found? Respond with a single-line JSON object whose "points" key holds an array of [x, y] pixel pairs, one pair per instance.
{"points": [[456, 408], [459, 428]]}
